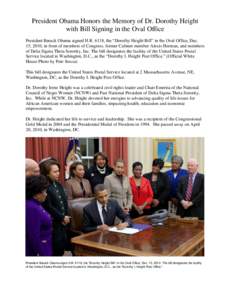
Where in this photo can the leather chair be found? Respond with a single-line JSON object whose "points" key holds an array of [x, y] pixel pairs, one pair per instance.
{"points": [[75, 208]]}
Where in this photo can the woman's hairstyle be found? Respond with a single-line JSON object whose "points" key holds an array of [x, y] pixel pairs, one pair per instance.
{"points": [[73, 166], [44, 161], [103, 155], [137, 164], [158, 162], [35, 185], [45, 167], [119, 160], [178, 159]]}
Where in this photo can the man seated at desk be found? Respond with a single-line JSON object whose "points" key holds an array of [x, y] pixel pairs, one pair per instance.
{"points": [[101, 212]]}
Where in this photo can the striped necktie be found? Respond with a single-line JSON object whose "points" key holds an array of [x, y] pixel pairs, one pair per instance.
{"points": [[104, 214], [189, 188]]}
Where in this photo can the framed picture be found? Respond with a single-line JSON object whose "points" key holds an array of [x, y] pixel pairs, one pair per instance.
{"points": [[165, 149]]}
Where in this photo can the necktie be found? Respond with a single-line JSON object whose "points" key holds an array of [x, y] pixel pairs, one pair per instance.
{"points": [[104, 214], [189, 188]]}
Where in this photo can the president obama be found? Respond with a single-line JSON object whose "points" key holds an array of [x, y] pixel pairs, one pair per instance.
{"points": [[100, 214]]}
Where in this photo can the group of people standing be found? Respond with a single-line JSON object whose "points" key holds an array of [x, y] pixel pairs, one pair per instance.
{"points": [[116, 195]]}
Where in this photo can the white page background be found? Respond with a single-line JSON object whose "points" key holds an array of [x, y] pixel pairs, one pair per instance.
{"points": [[212, 279]]}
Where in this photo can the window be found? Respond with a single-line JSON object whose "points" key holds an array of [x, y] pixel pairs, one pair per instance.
{"points": [[89, 146]]}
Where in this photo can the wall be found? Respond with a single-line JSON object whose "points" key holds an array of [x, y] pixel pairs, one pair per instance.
{"points": [[141, 149]]}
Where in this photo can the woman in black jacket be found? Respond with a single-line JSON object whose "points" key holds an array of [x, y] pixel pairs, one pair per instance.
{"points": [[160, 185], [56, 205], [97, 173]]}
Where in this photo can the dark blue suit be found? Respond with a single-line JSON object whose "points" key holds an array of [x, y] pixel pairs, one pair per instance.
{"points": [[92, 219]]}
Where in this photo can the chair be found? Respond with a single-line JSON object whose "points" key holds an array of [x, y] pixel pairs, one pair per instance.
{"points": [[75, 208]]}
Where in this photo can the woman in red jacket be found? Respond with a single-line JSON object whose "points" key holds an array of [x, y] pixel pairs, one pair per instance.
{"points": [[142, 192]]}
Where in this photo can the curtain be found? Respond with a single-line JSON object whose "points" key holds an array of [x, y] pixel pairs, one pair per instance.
{"points": [[116, 147], [38, 148]]}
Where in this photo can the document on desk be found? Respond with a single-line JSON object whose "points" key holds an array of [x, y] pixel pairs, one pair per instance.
{"points": [[125, 230]]}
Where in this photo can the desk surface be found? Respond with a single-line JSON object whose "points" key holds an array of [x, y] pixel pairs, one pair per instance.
{"points": [[171, 239]]}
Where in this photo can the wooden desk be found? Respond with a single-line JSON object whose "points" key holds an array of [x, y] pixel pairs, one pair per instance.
{"points": [[172, 239]]}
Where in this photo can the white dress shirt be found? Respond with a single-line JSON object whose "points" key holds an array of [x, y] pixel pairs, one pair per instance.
{"points": [[194, 176]]}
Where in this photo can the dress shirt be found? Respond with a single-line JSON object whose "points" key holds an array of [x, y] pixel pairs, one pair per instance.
{"points": [[194, 176]]}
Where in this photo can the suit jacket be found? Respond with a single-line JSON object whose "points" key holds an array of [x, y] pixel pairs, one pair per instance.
{"points": [[92, 219], [74, 189], [197, 197], [162, 191], [119, 190]]}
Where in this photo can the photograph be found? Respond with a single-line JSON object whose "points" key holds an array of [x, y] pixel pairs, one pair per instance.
{"points": [[116, 110], [114, 196], [165, 149]]}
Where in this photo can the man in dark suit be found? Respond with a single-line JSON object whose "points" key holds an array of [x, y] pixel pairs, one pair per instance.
{"points": [[101, 212], [190, 192]]}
